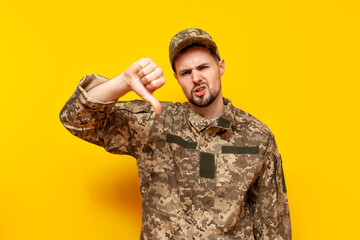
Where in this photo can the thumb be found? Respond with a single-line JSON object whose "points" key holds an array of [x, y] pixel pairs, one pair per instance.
{"points": [[141, 90], [154, 103]]}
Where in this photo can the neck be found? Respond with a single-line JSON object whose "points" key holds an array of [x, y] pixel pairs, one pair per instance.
{"points": [[214, 110]]}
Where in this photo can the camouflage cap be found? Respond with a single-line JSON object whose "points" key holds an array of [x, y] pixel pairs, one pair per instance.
{"points": [[188, 37]]}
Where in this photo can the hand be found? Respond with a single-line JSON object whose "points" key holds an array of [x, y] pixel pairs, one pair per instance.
{"points": [[144, 77]]}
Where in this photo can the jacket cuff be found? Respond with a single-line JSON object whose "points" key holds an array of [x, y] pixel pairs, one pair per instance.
{"points": [[89, 82]]}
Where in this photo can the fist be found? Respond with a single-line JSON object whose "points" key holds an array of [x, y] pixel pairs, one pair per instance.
{"points": [[144, 77]]}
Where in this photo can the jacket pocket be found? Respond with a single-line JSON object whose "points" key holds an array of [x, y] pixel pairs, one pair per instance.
{"points": [[237, 168]]}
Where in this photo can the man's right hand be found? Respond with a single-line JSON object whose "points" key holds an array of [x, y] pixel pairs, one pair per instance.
{"points": [[143, 77]]}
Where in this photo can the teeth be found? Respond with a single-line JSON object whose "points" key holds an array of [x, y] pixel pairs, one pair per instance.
{"points": [[200, 89]]}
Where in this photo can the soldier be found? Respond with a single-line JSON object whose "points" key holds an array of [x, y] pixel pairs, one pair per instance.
{"points": [[207, 170]]}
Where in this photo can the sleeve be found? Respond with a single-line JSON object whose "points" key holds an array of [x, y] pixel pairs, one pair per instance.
{"points": [[272, 217], [118, 127]]}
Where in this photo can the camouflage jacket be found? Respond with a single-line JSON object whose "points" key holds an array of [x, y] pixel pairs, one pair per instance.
{"points": [[198, 179]]}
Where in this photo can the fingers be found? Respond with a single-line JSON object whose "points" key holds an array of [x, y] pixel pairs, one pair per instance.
{"points": [[152, 76], [146, 66], [155, 84], [155, 74]]}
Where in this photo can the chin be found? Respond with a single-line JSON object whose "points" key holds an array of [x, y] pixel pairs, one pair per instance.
{"points": [[202, 103]]}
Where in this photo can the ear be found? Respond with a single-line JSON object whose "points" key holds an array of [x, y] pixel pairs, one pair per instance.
{"points": [[176, 76], [222, 66]]}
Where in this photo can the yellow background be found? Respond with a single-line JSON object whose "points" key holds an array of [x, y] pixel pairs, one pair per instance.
{"points": [[292, 64]]}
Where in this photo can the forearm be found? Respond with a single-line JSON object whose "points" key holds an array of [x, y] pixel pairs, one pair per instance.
{"points": [[110, 90], [143, 77], [89, 114], [111, 125]]}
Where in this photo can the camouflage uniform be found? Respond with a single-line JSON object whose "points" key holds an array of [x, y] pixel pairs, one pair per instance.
{"points": [[199, 179]]}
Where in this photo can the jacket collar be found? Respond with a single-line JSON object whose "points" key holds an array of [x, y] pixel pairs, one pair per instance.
{"points": [[225, 121]]}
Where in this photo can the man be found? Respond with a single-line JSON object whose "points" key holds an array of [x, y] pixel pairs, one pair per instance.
{"points": [[207, 170]]}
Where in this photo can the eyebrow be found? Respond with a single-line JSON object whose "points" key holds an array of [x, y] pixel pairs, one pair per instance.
{"points": [[198, 66]]}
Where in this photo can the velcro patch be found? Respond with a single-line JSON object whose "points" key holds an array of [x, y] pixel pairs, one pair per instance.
{"points": [[240, 150], [180, 141], [282, 177], [207, 165], [223, 122]]}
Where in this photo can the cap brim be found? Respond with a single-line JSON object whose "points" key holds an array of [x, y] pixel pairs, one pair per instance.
{"points": [[195, 40]]}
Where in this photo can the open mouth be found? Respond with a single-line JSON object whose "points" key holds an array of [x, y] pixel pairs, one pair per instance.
{"points": [[200, 91]]}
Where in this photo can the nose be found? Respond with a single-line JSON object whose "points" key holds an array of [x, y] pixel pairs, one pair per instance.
{"points": [[196, 77]]}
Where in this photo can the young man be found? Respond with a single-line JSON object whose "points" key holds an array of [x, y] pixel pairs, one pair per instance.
{"points": [[207, 169]]}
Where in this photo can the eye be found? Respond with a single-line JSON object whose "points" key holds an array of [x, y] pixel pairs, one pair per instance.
{"points": [[203, 67], [185, 73]]}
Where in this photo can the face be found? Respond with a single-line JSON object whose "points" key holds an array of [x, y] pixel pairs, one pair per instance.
{"points": [[199, 75]]}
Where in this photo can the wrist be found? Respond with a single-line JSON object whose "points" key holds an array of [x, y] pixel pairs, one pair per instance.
{"points": [[121, 84]]}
